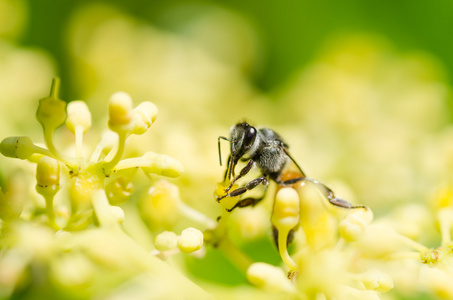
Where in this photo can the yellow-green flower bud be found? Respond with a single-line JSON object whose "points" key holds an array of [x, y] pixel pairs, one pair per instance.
{"points": [[17, 147], [352, 226], [144, 115], [269, 277], [161, 204], [120, 112], [377, 281], [78, 116], [285, 215], [162, 164], [47, 172], [47, 178], [51, 111], [119, 190], [190, 240], [165, 241]]}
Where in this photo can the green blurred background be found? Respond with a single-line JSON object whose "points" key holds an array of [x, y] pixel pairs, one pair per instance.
{"points": [[290, 31]]}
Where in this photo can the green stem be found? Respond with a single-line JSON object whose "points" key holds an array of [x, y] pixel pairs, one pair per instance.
{"points": [[132, 162], [43, 151], [96, 153], [283, 250], [197, 216], [103, 209], [119, 152], [55, 88], [50, 211], [415, 245], [234, 254], [48, 139], [404, 255], [220, 231], [218, 238], [78, 142]]}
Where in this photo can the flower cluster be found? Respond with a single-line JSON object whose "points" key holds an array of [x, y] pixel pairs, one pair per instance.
{"points": [[87, 219], [78, 234], [95, 174]]}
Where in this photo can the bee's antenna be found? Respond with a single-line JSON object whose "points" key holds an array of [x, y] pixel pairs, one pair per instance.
{"points": [[218, 144]]}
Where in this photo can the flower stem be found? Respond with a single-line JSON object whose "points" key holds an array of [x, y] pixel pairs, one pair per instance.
{"points": [[119, 152], [103, 210], [404, 255], [132, 162], [53, 152], [283, 250], [197, 216], [55, 88], [415, 245], [78, 142], [220, 230], [43, 151], [235, 255], [50, 211]]}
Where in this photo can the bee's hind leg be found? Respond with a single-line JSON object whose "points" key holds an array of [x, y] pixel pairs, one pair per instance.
{"points": [[326, 191], [343, 203]]}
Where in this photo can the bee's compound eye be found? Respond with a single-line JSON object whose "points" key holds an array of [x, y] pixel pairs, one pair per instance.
{"points": [[250, 136]]}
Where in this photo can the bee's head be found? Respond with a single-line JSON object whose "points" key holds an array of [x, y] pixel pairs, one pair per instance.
{"points": [[242, 140], [242, 137]]}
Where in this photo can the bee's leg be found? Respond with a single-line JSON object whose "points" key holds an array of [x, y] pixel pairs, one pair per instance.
{"points": [[326, 191], [226, 170], [333, 199], [243, 172], [342, 203], [290, 181], [250, 185]]}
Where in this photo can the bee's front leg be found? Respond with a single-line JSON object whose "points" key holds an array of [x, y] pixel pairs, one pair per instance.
{"points": [[243, 172], [250, 185]]}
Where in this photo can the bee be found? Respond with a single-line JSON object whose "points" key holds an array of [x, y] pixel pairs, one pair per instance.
{"points": [[265, 149]]}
